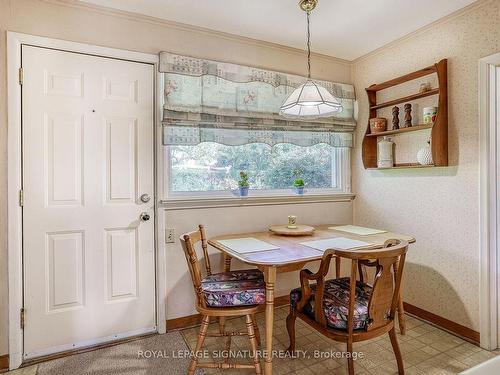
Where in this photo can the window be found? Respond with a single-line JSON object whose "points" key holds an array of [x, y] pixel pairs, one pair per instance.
{"points": [[212, 169], [221, 118]]}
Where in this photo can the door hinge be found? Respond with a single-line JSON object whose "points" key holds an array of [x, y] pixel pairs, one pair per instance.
{"points": [[21, 76], [22, 317], [21, 197]]}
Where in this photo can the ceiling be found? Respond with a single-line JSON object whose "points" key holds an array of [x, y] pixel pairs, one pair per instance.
{"points": [[346, 29]]}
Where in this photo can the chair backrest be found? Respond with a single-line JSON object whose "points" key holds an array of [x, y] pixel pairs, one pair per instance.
{"points": [[388, 262], [188, 243]]}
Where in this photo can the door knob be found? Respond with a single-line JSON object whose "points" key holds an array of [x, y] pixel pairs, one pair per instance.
{"points": [[145, 216], [145, 198]]}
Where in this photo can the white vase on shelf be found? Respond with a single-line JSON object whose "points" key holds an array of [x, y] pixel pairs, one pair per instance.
{"points": [[385, 153], [424, 155]]}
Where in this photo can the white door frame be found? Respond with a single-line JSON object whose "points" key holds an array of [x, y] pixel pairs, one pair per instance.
{"points": [[489, 146], [15, 265]]}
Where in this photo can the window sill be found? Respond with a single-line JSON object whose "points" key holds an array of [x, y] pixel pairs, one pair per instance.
{"points": [[197, 203]]}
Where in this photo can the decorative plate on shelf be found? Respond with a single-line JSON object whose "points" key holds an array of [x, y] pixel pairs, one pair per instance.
{"points": [[284, 230]]}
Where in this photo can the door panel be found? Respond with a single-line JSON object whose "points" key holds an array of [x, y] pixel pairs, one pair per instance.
{"points": [[121, 156], [65, 271], [122, 262], [87, 158], [63, 139]]}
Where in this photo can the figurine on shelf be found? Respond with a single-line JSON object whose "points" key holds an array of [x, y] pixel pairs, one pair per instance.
{"points": [[395, 118], [407, 108]]}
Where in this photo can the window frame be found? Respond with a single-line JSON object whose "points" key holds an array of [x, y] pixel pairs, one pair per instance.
{"points": [[342, 173]]}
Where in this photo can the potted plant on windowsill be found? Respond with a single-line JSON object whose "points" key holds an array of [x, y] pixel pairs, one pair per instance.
{"points": [[298, 184], [243, 184]]}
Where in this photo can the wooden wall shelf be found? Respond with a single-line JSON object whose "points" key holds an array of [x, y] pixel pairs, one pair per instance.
{"points": [[405, 166], [413, 128], [406, 99], [439, 134]]}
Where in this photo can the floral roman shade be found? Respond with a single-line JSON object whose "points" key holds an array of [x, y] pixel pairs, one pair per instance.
{"points": [[210, 101]]}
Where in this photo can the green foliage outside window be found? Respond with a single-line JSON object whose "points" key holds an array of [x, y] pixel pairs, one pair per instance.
{"points": [[212, 166]]}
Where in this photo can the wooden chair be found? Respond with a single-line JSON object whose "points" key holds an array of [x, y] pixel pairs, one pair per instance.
{"points": [[210, 304], [348, 310]]}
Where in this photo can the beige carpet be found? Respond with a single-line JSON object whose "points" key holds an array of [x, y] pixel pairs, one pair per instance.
{"points": [[155, 355]]}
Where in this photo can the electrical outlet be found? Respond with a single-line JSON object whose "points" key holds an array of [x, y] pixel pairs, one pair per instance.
{"points": [[169, 235]]}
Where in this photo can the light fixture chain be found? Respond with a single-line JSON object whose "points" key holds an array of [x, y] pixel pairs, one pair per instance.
{"points": [[310, 100], [308, 46]]}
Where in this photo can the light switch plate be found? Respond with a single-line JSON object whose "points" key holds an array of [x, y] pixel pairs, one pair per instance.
{"points": [[169, 235]]}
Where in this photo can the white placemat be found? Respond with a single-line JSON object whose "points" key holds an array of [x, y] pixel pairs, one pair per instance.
{"points": [[338, 243], [247, 245], [362, 231]]}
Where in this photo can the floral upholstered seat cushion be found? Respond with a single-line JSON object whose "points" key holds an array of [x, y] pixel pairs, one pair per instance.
{"points": [[234, 288], [336, 303]]}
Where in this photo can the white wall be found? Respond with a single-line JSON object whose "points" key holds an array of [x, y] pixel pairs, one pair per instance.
{"points": [[180, 293]]}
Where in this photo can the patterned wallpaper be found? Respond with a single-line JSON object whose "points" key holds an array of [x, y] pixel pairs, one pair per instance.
{"points": [[439, 206]]}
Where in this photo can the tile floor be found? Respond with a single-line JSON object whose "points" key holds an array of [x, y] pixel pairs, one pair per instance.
{"points": [[426, 350]]}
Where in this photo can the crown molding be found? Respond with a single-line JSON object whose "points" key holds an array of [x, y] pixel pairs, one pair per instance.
{"points": [[191, 28], [450, 17], [260, 43]]}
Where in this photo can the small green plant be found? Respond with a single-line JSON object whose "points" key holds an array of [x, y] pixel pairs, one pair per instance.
{"points": [[298, 183], [243, 182]]}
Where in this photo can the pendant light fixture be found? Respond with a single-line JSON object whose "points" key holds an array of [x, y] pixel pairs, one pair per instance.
{"points": [[310, 100]]}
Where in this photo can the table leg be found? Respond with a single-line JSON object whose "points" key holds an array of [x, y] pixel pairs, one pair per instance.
{"points": [[270, 279], [222, 320], [401, 312], [227, 262]]}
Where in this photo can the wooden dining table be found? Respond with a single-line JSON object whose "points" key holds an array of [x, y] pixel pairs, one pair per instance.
{"points": [[293, 256]]}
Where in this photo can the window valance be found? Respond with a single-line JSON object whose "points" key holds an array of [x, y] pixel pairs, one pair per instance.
{"points": [[210, 101]]}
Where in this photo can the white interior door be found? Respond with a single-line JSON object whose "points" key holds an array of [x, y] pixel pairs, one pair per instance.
{"points": [[89, 264]]}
